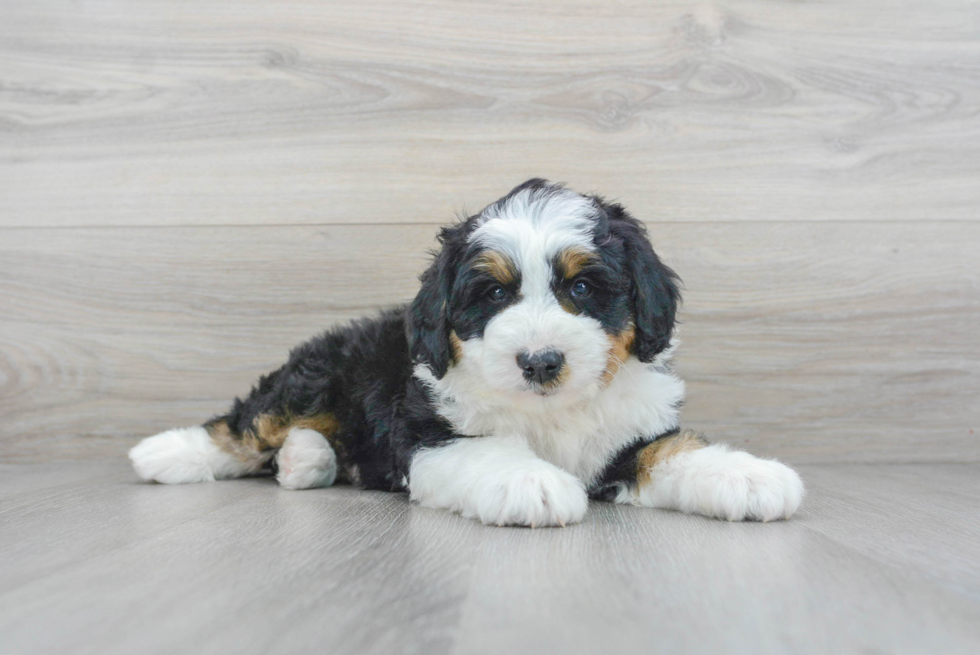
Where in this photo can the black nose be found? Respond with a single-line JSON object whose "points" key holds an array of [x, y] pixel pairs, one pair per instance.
{"points": [[542, 366]]}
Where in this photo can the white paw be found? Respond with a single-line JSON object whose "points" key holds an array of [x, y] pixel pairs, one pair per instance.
{"points": [[725, 484], [306, 460], [185, 455], [533, 494], [498, 480]]}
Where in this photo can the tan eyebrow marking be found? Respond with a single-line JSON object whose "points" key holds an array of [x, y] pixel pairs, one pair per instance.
{"points": [[573, 260], [569, 263], [497, 265]]}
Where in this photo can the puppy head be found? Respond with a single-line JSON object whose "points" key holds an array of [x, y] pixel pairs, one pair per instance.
{"points": [[543, 293]]}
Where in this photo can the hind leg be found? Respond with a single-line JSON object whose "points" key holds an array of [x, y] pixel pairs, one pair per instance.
{"points": [[217, 451], [306, 460], [184, 455]]}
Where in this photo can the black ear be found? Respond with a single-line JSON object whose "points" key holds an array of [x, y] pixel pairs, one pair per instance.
{"points": [[427, 318], [653, 285]]}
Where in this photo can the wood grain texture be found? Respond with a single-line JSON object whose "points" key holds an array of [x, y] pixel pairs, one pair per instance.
{"points": [[909, 515], [814, 342], [156, 112], [96, 562]]}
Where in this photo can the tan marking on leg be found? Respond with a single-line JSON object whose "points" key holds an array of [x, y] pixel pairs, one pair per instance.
{"points": [[498, 265], [227, 441], [663, 449], [268, 432], [272, 430], [325, 424], [620, 346]]}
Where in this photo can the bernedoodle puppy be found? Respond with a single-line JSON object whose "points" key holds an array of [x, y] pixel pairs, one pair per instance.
{"points": [[531, 372]]}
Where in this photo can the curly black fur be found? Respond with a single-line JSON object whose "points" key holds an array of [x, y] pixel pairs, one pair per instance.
{"points": [[360, 375]]}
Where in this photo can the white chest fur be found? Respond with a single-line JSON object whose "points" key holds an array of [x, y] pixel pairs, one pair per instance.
{"points": [[579, 434]]}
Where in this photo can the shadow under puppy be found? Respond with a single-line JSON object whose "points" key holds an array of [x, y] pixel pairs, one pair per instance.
{"points": [[531, 372]]}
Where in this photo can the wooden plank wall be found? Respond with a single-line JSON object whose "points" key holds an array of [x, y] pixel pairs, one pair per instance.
{"points": [[189, 188]]}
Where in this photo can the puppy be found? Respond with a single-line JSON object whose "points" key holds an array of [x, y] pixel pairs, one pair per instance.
{"points": [[531, 372]]}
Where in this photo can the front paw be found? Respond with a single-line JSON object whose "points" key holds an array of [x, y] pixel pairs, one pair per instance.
{"points": [[536, 494], [726, 484]]}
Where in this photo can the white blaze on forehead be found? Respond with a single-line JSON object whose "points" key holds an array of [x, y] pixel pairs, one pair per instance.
{"points": [[535, 225]]}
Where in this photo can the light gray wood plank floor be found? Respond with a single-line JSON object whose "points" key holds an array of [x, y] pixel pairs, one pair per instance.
{"points": [[880, 559]]}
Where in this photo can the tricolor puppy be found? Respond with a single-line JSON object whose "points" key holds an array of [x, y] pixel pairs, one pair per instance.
{"points": [[531, 372]]}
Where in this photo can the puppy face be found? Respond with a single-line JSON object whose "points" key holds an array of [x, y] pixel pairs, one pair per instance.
{"points": [[543, 293]]}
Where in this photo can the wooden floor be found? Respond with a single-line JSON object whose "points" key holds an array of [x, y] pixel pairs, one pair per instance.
{"points": [[880, 559]]}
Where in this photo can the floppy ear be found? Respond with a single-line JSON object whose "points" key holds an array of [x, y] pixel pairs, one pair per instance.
{"points": [[653, 285], [427, 318]]}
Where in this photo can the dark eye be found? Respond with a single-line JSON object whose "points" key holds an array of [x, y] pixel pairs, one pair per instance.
{"points": [[497, 293], [581, 289]]}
